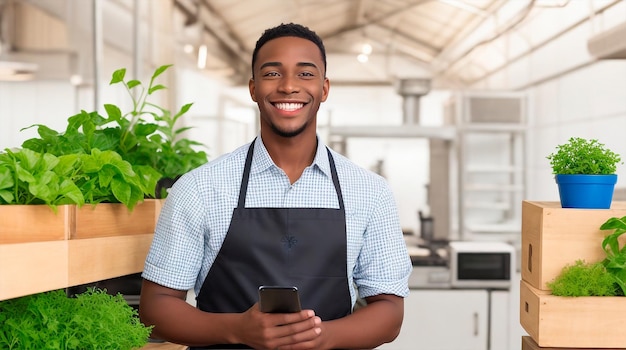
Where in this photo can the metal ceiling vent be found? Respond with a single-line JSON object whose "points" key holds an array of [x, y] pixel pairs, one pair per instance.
{"points": [[411, 91], [610, 44]]}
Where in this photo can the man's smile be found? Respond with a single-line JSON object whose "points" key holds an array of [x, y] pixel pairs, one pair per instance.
{"points": [[289, 107]]}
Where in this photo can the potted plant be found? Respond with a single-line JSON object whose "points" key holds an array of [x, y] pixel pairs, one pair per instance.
{"points": [[585, 173], [51, 320]]}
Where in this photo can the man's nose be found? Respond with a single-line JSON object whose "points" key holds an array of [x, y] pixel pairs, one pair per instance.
{"points": [[289, 85]]}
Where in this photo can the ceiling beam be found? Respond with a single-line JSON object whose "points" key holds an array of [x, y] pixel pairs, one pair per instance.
{"points": [[354, 27]]}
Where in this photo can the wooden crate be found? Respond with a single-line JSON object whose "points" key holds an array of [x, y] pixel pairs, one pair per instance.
{"points": [[572, 322], [35, 223], [76, 246], [114, 219], [553, 237], [529, 344]]}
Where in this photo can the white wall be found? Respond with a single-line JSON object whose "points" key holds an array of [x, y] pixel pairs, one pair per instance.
{"points": [[589, 103], [26, 103]]}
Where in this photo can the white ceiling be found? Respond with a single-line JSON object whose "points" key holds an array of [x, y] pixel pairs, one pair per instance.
{"points": [[452, 43]]}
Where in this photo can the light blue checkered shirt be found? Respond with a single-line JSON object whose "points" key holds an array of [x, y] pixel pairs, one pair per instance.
{"points": [[197, 213]]}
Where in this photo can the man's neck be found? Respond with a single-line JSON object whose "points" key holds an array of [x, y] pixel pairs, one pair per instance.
{"points": [[292, 154]]}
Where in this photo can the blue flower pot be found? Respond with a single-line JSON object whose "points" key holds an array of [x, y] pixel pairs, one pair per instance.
{"points": [[586, 191]]}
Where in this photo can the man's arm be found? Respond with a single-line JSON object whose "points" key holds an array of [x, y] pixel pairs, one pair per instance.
{"points": [[377, 323], [177, 321]]}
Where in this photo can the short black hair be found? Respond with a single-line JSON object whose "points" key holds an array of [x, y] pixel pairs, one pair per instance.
{"points": [[289, 29]]}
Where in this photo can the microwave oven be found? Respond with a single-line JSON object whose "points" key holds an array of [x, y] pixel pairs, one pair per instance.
{"points": [[476, 264]]}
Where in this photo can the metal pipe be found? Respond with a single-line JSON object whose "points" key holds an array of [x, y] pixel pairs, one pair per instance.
{"points": [[97, 50], [408, 131], [136, 40]]}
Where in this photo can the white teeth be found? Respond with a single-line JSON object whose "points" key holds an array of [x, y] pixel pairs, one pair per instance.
{"points": [[289, 106]]}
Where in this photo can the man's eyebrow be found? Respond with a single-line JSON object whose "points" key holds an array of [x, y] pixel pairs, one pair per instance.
{"points": [[270, 64], [278, 64], [307, 64]]}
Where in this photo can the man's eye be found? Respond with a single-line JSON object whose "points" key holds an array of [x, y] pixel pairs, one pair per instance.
{"points": [[270, 74], [307, 74]]}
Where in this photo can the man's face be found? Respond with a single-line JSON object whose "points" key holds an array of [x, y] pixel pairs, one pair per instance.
{"points": [[289, 84]]}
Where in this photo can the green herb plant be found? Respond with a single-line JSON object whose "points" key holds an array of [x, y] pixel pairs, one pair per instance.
{"points": [[28, 177], [603, 278], [615, 261], [584, 279], [582, 156], [149, 132], [51, 320]]}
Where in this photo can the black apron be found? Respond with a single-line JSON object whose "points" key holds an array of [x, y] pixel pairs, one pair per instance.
{"points": [[302, 247]]}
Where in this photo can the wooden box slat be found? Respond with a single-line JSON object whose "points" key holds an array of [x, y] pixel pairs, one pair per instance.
{"points": [[29, 268], [97, 259], [529, 344], [35, 223], [113, 219]]}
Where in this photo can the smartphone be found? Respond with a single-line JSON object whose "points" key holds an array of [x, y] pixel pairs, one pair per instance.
{"points": [[279, 299]]}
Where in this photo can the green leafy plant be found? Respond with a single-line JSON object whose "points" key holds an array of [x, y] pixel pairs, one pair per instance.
{"points": [[149, 132], [581, 156], [28, 177], [51, 320], [584, 279], [615, 261]]}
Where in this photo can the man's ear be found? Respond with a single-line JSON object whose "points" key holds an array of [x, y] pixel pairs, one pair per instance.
{"points": [[252, 89], [325, 89]]}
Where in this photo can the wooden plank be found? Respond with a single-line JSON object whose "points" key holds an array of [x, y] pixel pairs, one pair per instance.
{"points": [[114, 219], [529, 344], [35, 223], [572, 322], [164, 346], [553, 237], [29, 268], [97, 259]]}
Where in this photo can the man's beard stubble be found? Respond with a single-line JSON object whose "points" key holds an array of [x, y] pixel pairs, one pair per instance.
{"points": [[288, 134]]}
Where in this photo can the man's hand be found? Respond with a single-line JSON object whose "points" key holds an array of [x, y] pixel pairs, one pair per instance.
{"points": [[292, 331]]}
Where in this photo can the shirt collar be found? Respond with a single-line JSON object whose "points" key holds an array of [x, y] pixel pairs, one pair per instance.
{"points": [[262, 161]]}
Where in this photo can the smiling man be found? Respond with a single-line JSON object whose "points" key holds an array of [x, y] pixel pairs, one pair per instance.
{"points": [[281, 210]]}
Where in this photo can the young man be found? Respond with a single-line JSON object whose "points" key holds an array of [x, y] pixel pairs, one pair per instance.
{"points": [[282, 210]]}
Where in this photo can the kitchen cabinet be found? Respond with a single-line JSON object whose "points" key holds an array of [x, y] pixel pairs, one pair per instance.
{"points": [[450, 319]]}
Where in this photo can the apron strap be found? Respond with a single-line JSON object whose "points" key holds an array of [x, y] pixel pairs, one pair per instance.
{"points": [[246, 174], [333, 173]]}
